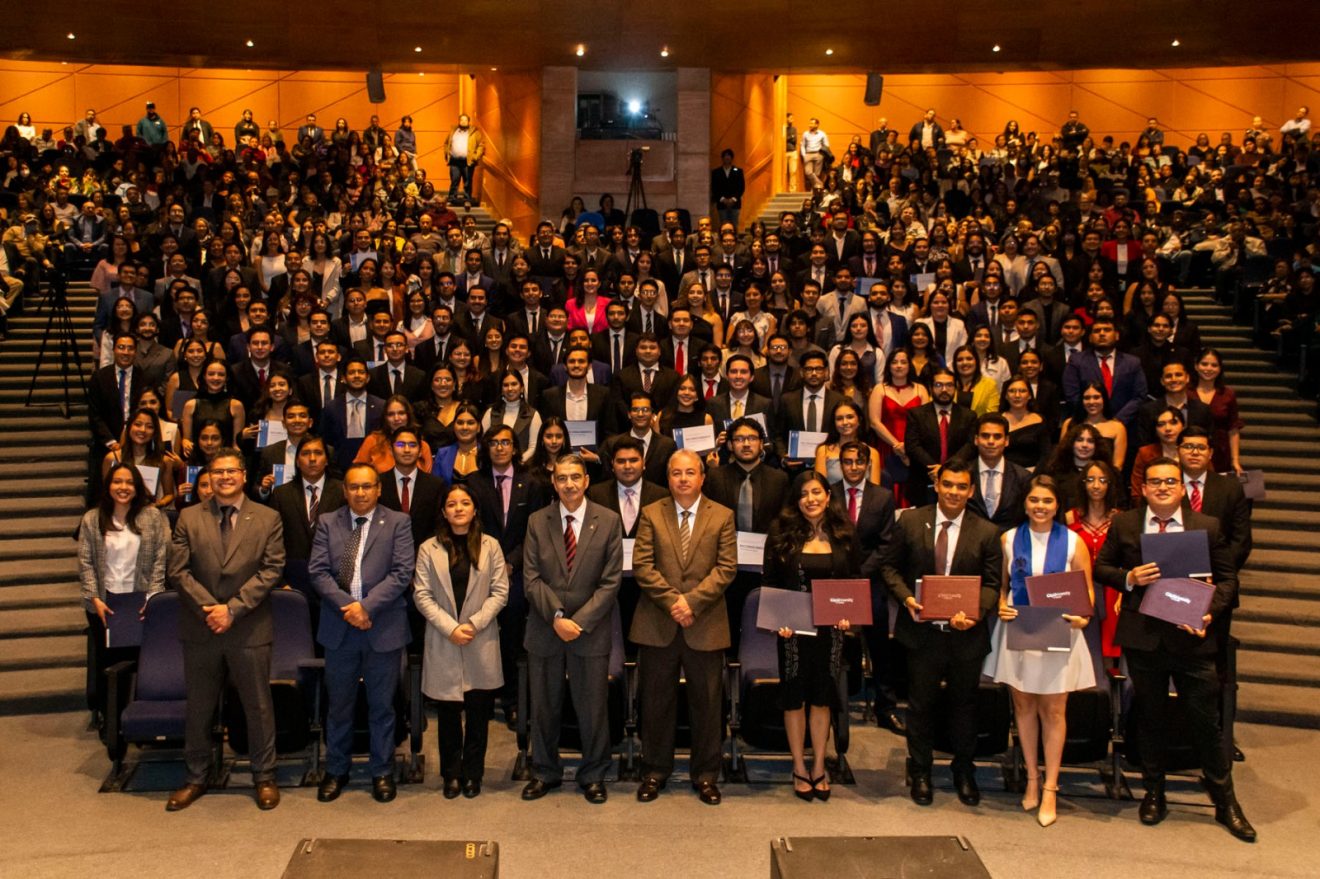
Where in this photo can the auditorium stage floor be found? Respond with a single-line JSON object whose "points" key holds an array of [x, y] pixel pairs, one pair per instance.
{"points": [[57, 825]]}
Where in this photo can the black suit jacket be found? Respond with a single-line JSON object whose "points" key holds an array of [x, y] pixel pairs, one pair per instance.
{"points": [[730, 185], [923, 443], [628, 382], [290, 501], [875, 526], [911, 556], [308, 390], [426, 356], [1198, 415], [103, 409], [423, 501], [761, 381], [413, 386], [769, 486], [607, 495], [1122, 552], [541, 267], [600, 347], [525, 497], [600, 408], [668, 358], [659, 324], [788, 417], [1010, 511], [1223, 499], [658, 450]]}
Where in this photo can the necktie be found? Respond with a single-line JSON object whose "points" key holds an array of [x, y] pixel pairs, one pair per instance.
{"points": [[186, 328], [545, 253], [123, 392], [994, 314], [776, 387], [1196, 495], [355, 417], [991, 493], [500, 479], [646, 379], [852, 503], [380, 350], [942, 548], [813, 416], [680, 358], [629, 509], [261, 377], [870, 267], [710, 388], [745, 504], [327, 391], [499, 259], [617, 358], [227, 528], [396, 376], [705, 284], [678, 261], [570, 543], [1162, 523], [646, 323], [684, 534], [405, 498], [944, 436], [313, 505], [1107, 374], [739, 408], [348, 563], [724, 303]]}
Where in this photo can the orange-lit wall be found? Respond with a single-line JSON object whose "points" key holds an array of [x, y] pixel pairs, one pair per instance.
{"points": [[58, 94], [1117, 102], [507, 106], [742, 109]]}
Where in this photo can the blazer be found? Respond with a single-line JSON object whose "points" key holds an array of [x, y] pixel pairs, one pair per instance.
{"points": [[663, 575], [769, 486], [308, 390], [875, 523], [761, 381], [656, 462], [1129, 384], [290, 501], [727, 185], [1198, 415], [104, 411], [334, 427], [241, 578], [628, 382], [526, 496], [923, 441], [423, 501], [600, 409], [955, 335], [720, 409], [606, 494], [911, 556], [413, 384], [1222, 498], [600, 347], [386, 565], [539, 266], [790, 418], [586, 594], [659, 323], [1122, 552], [153, 549], [1010, 511], [449, 671], [600, 375], [668, 357]]}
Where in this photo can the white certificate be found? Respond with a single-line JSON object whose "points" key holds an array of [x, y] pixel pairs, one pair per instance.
{"points": [[282, 474], [751, 550], [695, 439], [271, 432], [803, 443], [150, 477], [581, 434], [628, 544], [923, 280]]}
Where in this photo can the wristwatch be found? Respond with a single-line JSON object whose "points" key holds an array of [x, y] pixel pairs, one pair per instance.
{"points": [[559, 614]]}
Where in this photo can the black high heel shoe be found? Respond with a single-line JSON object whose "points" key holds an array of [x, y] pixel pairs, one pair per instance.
{"points": [[804, 795], [822, 795]]}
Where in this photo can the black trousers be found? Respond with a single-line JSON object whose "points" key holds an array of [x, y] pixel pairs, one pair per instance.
{"points": [[204, 666], [463, 745], [588, 685], [928, 667], [658, 671], [1197, 681]]}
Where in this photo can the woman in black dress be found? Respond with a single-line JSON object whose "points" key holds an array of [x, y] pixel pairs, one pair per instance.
{"points": [[811, 539]]}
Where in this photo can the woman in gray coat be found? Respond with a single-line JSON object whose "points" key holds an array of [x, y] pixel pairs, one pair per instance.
{"points": [[122, 547], [459, 587]]}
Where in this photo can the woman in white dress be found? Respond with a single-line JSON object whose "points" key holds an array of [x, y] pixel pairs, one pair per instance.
{"points": [[1040, 681]]}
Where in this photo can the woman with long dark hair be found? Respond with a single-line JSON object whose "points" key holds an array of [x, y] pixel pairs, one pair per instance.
{"points": [[1090, 518], [460, 586], [513, 409], [812, 539]]}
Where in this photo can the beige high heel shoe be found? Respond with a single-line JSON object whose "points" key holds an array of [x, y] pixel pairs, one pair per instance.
{"points": [[1029, 805], [1046, 818]]}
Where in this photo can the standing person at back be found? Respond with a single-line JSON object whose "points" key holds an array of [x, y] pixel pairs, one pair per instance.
{"points": [[686, 555], [228, 553], [937, 432]]}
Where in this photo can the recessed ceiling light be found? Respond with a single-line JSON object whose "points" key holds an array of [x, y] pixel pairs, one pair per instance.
{"points": [[71, 35], [580, 50], [250, 44], [420, 73], [1176, 42], [995, 48], [417, 48], [829, 51], [493, 69], [664, 52]]}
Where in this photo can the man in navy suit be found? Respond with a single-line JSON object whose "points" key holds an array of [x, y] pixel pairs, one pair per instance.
{"points": [[999, 487], [361, 565], [1126, 382], [346, 422], [143, 301]]}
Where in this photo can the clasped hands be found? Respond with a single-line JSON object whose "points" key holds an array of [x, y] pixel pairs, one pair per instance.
{"points": [[356, 616], [841, 625], [219, 619], [681, 613]]}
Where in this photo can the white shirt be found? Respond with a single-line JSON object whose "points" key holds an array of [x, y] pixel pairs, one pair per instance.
{"points": [[1188, 482], [307, 495], [623, 490], [575, 405], [355, 587], [398, 482], [290, 456], [1153, 526], [954, 530], [819, 397], [357, 331], [565, 512], [121, 552], [458, 143], [679, 509], [981, 470]]}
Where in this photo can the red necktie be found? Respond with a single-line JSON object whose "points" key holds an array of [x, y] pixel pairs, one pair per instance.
{"points": [[944, 437], [570, 543], [405, 498], [680, 359], [1107, 374], [261, 377], [852, 504], [1196, 495], [710, 389], [1163, 523]]}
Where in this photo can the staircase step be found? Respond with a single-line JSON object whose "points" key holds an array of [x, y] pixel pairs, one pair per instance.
{"points": [[47, 487], [1300, 612], [72, 432], [42, 691], [67, 651], [63, 570], [20, 548], [41, 622], [47, 392], [1275, 465], [1278, 639], [39, 595], [1301, 561], [1295, 519], [41, 526], [1277, 583], [1267, 540], [1278, 705], [1259, 666], [1275, 419]]}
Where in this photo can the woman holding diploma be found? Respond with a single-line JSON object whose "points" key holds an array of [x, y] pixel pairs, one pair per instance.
{"points": [[141, 445], [1040, 680], [810, 540], [122, 545]]}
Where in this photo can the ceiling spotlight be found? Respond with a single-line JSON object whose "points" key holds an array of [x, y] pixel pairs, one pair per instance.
{"points": [[1176, 42], [664, 51], [580, 50], [493, 69], [250, 44], [995, 48], [634, 107], [417, 48], [71, 35], [829, 51]]}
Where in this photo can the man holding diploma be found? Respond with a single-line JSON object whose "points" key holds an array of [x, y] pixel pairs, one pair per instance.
{"points": [[1157, 651]]}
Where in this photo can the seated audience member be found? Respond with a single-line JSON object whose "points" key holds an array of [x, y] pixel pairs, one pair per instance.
{"points": [[377, 449]]}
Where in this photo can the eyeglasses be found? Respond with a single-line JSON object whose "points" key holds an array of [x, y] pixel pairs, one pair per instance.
{"points": [[745, 439], [405, 444], [500, 443], [640, 409], [1170, 481], [1194, 447], [228, 471]]}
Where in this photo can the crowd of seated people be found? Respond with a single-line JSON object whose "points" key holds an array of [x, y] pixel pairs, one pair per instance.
{"points": [[934, 314]]}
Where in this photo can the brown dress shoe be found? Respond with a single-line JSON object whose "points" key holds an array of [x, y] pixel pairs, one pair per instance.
{"points": [[268, 795], [184, 797]]}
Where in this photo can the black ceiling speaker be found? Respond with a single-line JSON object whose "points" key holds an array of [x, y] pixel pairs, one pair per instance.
{"points": [[376, 86], [875, 84]]}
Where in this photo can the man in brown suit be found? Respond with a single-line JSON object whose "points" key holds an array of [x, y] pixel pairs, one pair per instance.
{"points": [[686, 555]]}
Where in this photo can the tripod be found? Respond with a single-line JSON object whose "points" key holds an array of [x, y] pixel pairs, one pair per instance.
{"points": [[59, 328], [636, 189]]}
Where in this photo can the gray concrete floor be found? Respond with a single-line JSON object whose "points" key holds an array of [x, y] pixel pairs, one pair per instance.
{"points": [[57, 825]]}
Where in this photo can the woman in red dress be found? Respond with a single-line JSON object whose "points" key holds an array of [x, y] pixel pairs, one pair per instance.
{"points": [[888, 409], [1101, 489], [1225, 439]]}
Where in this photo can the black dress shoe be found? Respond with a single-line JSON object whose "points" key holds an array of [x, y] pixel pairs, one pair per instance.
{"points": [[708, 792], [1238, 756], [595, 793], [921, 791], [511, 719], [383, 789], [892, 721], [649, 789], [453, 787], [331, 787], [968, 793], [536, 788], [1154, 808], [471, 788], [1229, 814]]}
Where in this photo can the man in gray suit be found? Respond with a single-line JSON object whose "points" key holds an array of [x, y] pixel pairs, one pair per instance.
{"points": [[228, 554], [572, 564]]}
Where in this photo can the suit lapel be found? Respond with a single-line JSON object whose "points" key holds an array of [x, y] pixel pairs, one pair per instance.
{"points": [[242, 527], [557, 539], [669, 514]]}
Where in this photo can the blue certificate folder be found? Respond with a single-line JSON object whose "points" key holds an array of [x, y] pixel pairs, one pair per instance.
{"points": [[785, 609], [124, 626], [1039, 628], [1178, 553]]}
